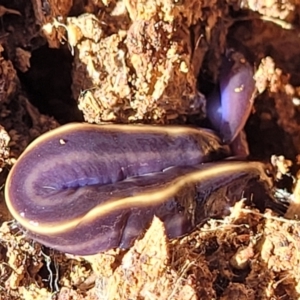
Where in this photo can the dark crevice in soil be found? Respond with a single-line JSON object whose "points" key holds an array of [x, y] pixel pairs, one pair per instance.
{"points": [[48, 84]]}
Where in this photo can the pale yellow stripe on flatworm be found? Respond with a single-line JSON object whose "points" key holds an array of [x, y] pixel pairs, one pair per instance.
{"points": [[141, 199]]}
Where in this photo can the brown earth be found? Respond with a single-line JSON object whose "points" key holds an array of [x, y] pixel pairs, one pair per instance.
{"points": [[142, 62]]}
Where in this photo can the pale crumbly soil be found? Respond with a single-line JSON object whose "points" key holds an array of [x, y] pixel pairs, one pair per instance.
{"points": [[142, 62]]}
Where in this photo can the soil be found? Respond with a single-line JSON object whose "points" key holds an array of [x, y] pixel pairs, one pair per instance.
{"points": [[145, 62]]}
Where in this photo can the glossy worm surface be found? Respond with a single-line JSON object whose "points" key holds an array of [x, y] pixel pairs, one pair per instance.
{"points": [[83, 189], [229, 106], [79, 188]]}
